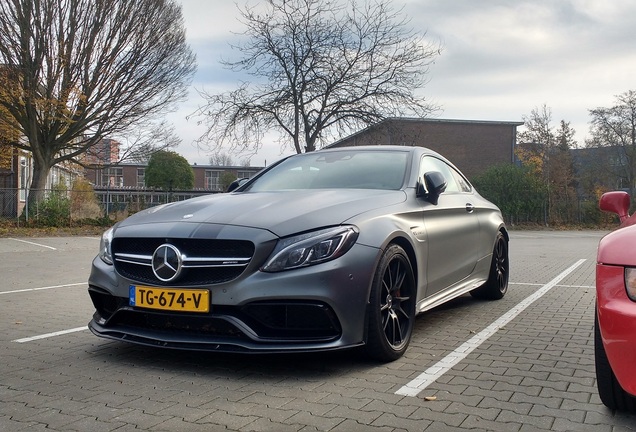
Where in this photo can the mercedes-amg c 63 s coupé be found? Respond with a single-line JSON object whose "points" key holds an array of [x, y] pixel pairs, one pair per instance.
{"points": [[326, 250]]}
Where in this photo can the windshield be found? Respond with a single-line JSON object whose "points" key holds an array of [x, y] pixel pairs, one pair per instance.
{"points": [[336, 170]]}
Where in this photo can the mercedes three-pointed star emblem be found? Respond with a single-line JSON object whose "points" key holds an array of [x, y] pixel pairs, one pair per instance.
{"points": [[166, 262]]}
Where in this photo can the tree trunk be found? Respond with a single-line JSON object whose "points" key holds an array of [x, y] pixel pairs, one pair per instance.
{"points": [[37, 191]]}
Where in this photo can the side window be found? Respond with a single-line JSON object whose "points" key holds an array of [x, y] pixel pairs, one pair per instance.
{"points": [[456, 182], [464, 186]]}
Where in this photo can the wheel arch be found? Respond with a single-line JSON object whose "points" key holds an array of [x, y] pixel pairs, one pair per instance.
{"points": [[504, 231], [405, 244], [387, 333]]}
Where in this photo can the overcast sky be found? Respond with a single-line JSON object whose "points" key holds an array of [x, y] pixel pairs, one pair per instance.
{"points": [[500, 59]]}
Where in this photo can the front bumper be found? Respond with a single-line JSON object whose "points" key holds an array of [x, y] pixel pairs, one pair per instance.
{"points": [[617, 322], [258, 326], [321, 307]]}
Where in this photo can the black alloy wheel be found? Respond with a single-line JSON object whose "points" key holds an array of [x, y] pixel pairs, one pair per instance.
{"points": [[497, 284], [392, 306]]}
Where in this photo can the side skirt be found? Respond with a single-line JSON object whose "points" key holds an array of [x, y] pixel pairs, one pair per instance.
{"points": [[449, 294]]}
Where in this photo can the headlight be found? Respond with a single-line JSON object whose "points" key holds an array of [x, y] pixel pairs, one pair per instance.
{"points": [[630, 282], [104, 246], [311, 248]]}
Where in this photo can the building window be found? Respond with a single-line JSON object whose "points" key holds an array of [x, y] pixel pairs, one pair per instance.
{"points": [[113, 177], [212, 179], [245, 174], [141, 177], [58, 178]]}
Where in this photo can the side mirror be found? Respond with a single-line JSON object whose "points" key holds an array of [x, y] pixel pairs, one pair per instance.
{"points": [[431, 186], [236, 184], [617, 202]]}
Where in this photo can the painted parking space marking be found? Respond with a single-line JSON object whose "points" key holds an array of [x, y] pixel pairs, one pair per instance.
{"points": [[42, 288], [559, 285], [431, 375], [48, 335], [33, 243]]}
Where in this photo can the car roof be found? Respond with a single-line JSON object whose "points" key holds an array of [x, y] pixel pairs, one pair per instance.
{"points": [[386, 147], [369, 147]]}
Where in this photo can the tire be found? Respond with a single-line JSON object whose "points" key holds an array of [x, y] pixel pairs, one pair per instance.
{"points": [[497, 284], [391, 314], [612, 394]]}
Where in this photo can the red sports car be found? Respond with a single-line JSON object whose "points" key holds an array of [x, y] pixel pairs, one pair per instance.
{"points": [[615, 321]]}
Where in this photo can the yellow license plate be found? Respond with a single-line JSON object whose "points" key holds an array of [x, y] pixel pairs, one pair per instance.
{"points": [[172, 299]]}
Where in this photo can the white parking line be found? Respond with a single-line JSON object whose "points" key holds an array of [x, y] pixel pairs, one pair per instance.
{"points": [[42, 288], [559, 285], [32, 243], [429, 376], [48, 335]]}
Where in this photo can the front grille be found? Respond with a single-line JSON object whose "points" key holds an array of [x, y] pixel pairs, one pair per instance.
{"points": [[205, 261]]}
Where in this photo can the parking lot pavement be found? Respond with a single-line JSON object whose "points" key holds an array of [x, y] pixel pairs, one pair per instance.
{"points": [[524, 363]]}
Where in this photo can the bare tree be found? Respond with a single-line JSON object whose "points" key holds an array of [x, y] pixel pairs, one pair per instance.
{"points": [[319, 69], [140, 144], [562, 175], [89, 69], [546, 151], [221, 159], [137, 146], [615, 127], [537, 140]]}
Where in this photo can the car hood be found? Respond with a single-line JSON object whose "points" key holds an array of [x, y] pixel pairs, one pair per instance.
{"points": [[282, 213]]}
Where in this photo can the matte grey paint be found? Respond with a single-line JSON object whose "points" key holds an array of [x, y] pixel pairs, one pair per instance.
{"points": [[450, 245]]}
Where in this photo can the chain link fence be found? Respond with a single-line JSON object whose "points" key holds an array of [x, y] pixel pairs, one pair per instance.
{"points": [[582, 211], [61, 207], [73, 207], [9, 203]]}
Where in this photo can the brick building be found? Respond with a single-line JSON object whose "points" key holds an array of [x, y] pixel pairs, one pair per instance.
{"points": [[15, 178], [472, 145], [105, 152], [127, 175]]}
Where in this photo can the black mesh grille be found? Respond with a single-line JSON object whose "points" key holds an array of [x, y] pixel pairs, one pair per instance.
{"points": [[292, 319], [205, 325], [192, 248], [284, 322]]}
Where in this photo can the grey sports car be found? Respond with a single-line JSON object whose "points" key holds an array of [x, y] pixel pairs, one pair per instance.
{"points": [[321, 251]]}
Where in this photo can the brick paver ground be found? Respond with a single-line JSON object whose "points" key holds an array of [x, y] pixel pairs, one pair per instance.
{"points": [[534, 374]]}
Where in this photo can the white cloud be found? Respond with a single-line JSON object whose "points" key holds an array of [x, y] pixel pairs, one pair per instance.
{"points": [[500, 60]]}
